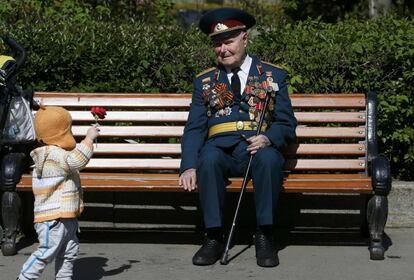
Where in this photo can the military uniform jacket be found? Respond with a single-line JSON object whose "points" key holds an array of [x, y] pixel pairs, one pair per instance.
{"points": [[213, 103]]}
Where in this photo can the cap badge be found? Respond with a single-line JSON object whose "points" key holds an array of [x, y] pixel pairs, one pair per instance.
{"points": [[220, 27]]}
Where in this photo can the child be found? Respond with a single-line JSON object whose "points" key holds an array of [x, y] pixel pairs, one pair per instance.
{"points": [[57, 191]]}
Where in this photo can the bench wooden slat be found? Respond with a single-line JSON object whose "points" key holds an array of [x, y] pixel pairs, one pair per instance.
{"points": [[326, 149], [133, 116], [114, 100], [330, 117], [148, 100], [346, 183], [177, 131], [328, 101], [175, 149], [176, 116], [170, 163], [325, 164], [140, 149], [330, 132]]}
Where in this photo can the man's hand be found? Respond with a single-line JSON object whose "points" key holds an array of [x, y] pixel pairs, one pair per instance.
{"points": [[188, 180], [257, 142]]}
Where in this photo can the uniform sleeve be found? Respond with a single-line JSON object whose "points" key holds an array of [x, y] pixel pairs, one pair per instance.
{"points": [[79, 157], [195, 131], [282, 131]]}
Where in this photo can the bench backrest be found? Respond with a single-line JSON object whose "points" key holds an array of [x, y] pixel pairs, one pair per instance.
{"points": [[141, 132]]}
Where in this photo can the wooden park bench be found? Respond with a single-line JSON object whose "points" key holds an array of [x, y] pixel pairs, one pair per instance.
{"points": [[139, 149]]}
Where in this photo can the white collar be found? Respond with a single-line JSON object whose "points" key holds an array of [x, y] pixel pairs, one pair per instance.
{"points": [[245, 67]]}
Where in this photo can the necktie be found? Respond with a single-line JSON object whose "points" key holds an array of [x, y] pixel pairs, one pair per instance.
{"points": [[235, 83]]}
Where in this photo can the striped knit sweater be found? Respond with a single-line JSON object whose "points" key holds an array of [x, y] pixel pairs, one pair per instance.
{"points": [[56, 182]]}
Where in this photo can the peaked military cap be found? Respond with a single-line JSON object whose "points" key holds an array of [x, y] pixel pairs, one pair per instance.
{"points": [[225, 20]]}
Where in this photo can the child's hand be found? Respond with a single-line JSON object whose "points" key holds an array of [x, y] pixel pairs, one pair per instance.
{"points": [[93, 132]]}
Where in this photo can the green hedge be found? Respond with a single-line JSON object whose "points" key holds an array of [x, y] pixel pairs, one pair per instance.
{"points": [[83, 54], [353, 56], [102, 56]]}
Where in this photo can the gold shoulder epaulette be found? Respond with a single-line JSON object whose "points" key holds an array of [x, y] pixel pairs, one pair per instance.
{"points": [[205, 71], [274, 65]]}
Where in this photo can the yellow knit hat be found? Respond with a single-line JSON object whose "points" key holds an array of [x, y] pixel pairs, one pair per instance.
{"points": [[53, 126]]}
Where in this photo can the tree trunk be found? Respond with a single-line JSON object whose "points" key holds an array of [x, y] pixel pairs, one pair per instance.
{"points": [[378, 7]]}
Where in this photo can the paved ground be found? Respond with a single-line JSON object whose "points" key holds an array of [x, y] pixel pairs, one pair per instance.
{"points": [[300, 258]]}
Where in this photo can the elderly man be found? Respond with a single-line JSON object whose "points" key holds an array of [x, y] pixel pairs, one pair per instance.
{"points": [[219, 136]]}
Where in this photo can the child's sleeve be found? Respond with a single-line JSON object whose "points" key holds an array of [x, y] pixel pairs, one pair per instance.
{"points": [[80, 156]]}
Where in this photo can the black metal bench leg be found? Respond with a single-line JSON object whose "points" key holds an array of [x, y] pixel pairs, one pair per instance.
{"points": [[377, 213], [10, 175], [11, 216]]}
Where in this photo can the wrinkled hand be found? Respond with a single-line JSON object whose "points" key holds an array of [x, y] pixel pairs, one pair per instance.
{"points": [[257, 142], [92, 133], [188, 180]]}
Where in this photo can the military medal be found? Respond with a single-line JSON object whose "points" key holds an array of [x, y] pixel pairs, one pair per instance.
{"points": [[259, 68], [248, 89], [261, 94], [227, 111], [275, 87], [251, 101], [218, 96], [219, 113], [228, 98], [206, 80], [252, 114]]}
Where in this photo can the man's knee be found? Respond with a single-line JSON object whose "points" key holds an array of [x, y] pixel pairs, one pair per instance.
{"points": [[210, 159], [268, 157], [11, 171]]}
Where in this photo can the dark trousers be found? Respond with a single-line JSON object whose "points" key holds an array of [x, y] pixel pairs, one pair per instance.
{"points": [[217, 164]]}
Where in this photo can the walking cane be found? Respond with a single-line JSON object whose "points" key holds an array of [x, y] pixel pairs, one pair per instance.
{"points": [[224, 258]]}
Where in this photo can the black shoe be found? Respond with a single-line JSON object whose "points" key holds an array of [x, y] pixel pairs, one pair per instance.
{"points": [[209, 253], [266, 255]]}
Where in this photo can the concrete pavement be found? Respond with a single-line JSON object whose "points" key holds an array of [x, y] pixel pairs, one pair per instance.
{"points": [[330, 253], [320, 256]]}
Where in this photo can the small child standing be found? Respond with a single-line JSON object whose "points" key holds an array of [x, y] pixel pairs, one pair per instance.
{"points": [[57, 191]]}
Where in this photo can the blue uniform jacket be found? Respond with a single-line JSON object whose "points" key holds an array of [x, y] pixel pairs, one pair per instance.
{"points": [[281, 131]]}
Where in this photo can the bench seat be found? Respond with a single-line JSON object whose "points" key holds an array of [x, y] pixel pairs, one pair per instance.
{"points": [[311, 183]]}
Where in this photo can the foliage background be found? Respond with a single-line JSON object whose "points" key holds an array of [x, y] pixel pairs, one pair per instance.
{"points": [[139, 46]]}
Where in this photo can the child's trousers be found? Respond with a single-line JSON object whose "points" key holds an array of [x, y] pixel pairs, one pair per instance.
{"points": [[57, 240]]}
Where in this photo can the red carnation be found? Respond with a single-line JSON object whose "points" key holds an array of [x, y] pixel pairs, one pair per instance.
{"points": [[99, 113]]}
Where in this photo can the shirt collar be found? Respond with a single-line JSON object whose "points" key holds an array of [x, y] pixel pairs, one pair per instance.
{"points": [[245, 67]]}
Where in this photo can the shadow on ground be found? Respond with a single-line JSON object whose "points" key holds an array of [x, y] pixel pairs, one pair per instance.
{"points": [[94, 268]]}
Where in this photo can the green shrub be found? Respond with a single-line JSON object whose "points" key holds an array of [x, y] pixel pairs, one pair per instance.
{"points": [[353, 56]]}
